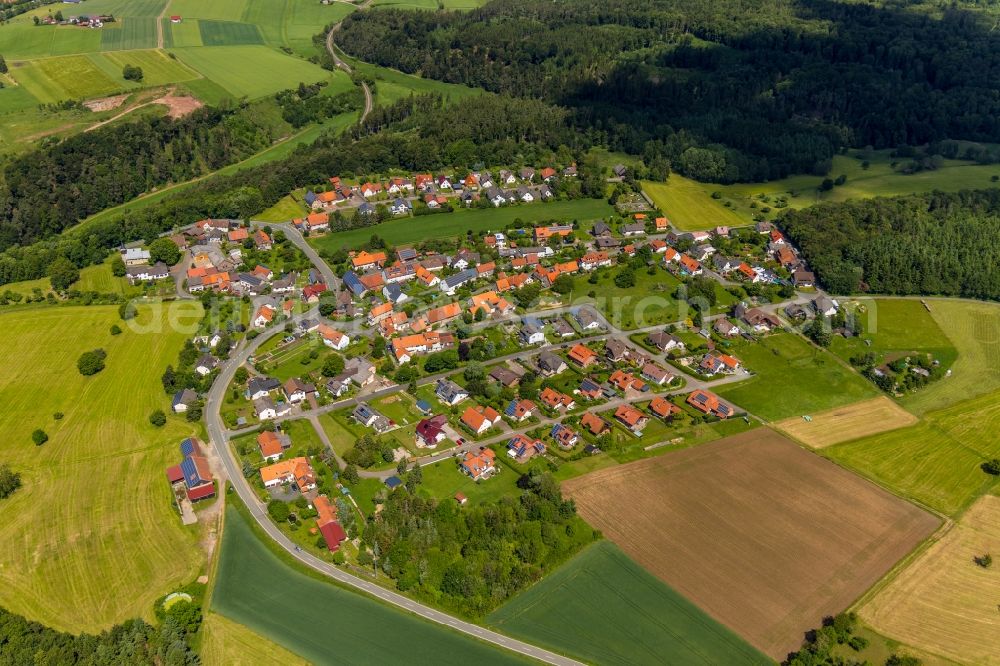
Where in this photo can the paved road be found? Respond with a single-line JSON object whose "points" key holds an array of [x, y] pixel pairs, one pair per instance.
{"points": [[293, 234], [217, 435], [347, 68]]}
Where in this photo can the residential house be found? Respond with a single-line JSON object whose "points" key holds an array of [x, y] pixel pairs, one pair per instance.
{"points": [[656, 375], [592, 260], [479, 465], [520, 410], [333, 338], [582, 355], [554, 399], [326, 522], [725, 328], [135, 256], [452, 283], [295, 471], [394, 294], [564, 436], [206, 364], [367, 416], [663, 408], [549, 364], [531, 334], [522, 448], [632, 418], [265, 408], [587, 319], [449, 392], [562, 328], [718, 363], [264, 316], [258, 387], [443, 314], [430, 432], [689, 265], [665, 342], [825, 306], [272, 445], [182, 400], [600, 230], [633, 229], [803, 278], [147, 273], [709, 403], [479, 419], [615, 350], [504, 376], [311, 293], [590, 389], [594, 424], [623, 381], [193, 471], [364, 260], [379, 312], [758, 320], [406, 347]]}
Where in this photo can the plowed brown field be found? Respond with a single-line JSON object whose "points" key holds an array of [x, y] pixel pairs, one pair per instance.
{"points": [[765, 536]]}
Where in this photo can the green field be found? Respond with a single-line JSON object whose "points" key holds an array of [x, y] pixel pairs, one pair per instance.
{"points": [[99, 278], [258, 590], [70, 77], [689, 205], [157, 68], [446, 225], [94, 526], [601, 607], [972, 327], [935, 462], [220, 10], [180, 35], [249, 71], [226, 643], [792, 378], [129, 33], [228, 33], [429, 4]]}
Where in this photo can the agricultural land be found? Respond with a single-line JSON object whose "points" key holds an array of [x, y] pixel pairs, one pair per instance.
{"points": [[701, 521]]}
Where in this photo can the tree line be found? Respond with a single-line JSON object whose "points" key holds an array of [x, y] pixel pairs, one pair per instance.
{"points": [[935, 243], [725, 91], [411, 135]]}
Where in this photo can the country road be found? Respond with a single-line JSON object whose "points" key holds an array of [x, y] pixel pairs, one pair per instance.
{"points": [[347, 68], [233, 470]]}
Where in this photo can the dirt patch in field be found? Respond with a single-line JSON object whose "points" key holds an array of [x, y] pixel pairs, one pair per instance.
{"points": [[179, 106], [842, 424], [105, 103], [765, 536], [944, 602]]}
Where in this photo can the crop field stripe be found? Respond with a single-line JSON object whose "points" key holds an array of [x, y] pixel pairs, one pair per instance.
{"points": [[603, 607], [256, 589], [843, 424], [228, 33]]}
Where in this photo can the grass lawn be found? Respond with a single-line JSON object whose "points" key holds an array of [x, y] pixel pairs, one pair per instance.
{"points": [[392, 85], [228, 643], [100, 278], [249, 71], [442, 480], [650, 302], [936, 461], [894, 325], [286, 209], [689, 205], [448, 225], [157, 68], [792, 378], [972, 328], [602, 607], [70, 77], [368, 631], [339, 427], [92, 537]]}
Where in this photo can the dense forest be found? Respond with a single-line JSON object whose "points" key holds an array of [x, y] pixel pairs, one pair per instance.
{"points": [[719, 91], [471, 559], [935, 243], [415, 134]]}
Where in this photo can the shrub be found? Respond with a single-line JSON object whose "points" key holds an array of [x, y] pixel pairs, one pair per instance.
{"points": [[158, 418], [115, 329], [92, 362]]}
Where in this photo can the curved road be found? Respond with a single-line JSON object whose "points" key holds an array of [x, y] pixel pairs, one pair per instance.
{"points": [[217, 435], [347, 68]]}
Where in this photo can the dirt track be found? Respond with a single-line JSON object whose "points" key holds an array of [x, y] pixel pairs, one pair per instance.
{"points": [[765, 536]]}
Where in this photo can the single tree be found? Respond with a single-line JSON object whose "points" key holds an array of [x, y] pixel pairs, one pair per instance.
{"points": [[278, 511], [9, 481], [333, 365], [241, 375], [165, 250], [115, 329], [39, 437], [62, 273], [158, 418], [92, 362], [132, 73]]}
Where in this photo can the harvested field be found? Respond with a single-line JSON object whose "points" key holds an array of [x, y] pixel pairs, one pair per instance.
{"points": [[842, 424], [763, 535], [944, 602]]}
